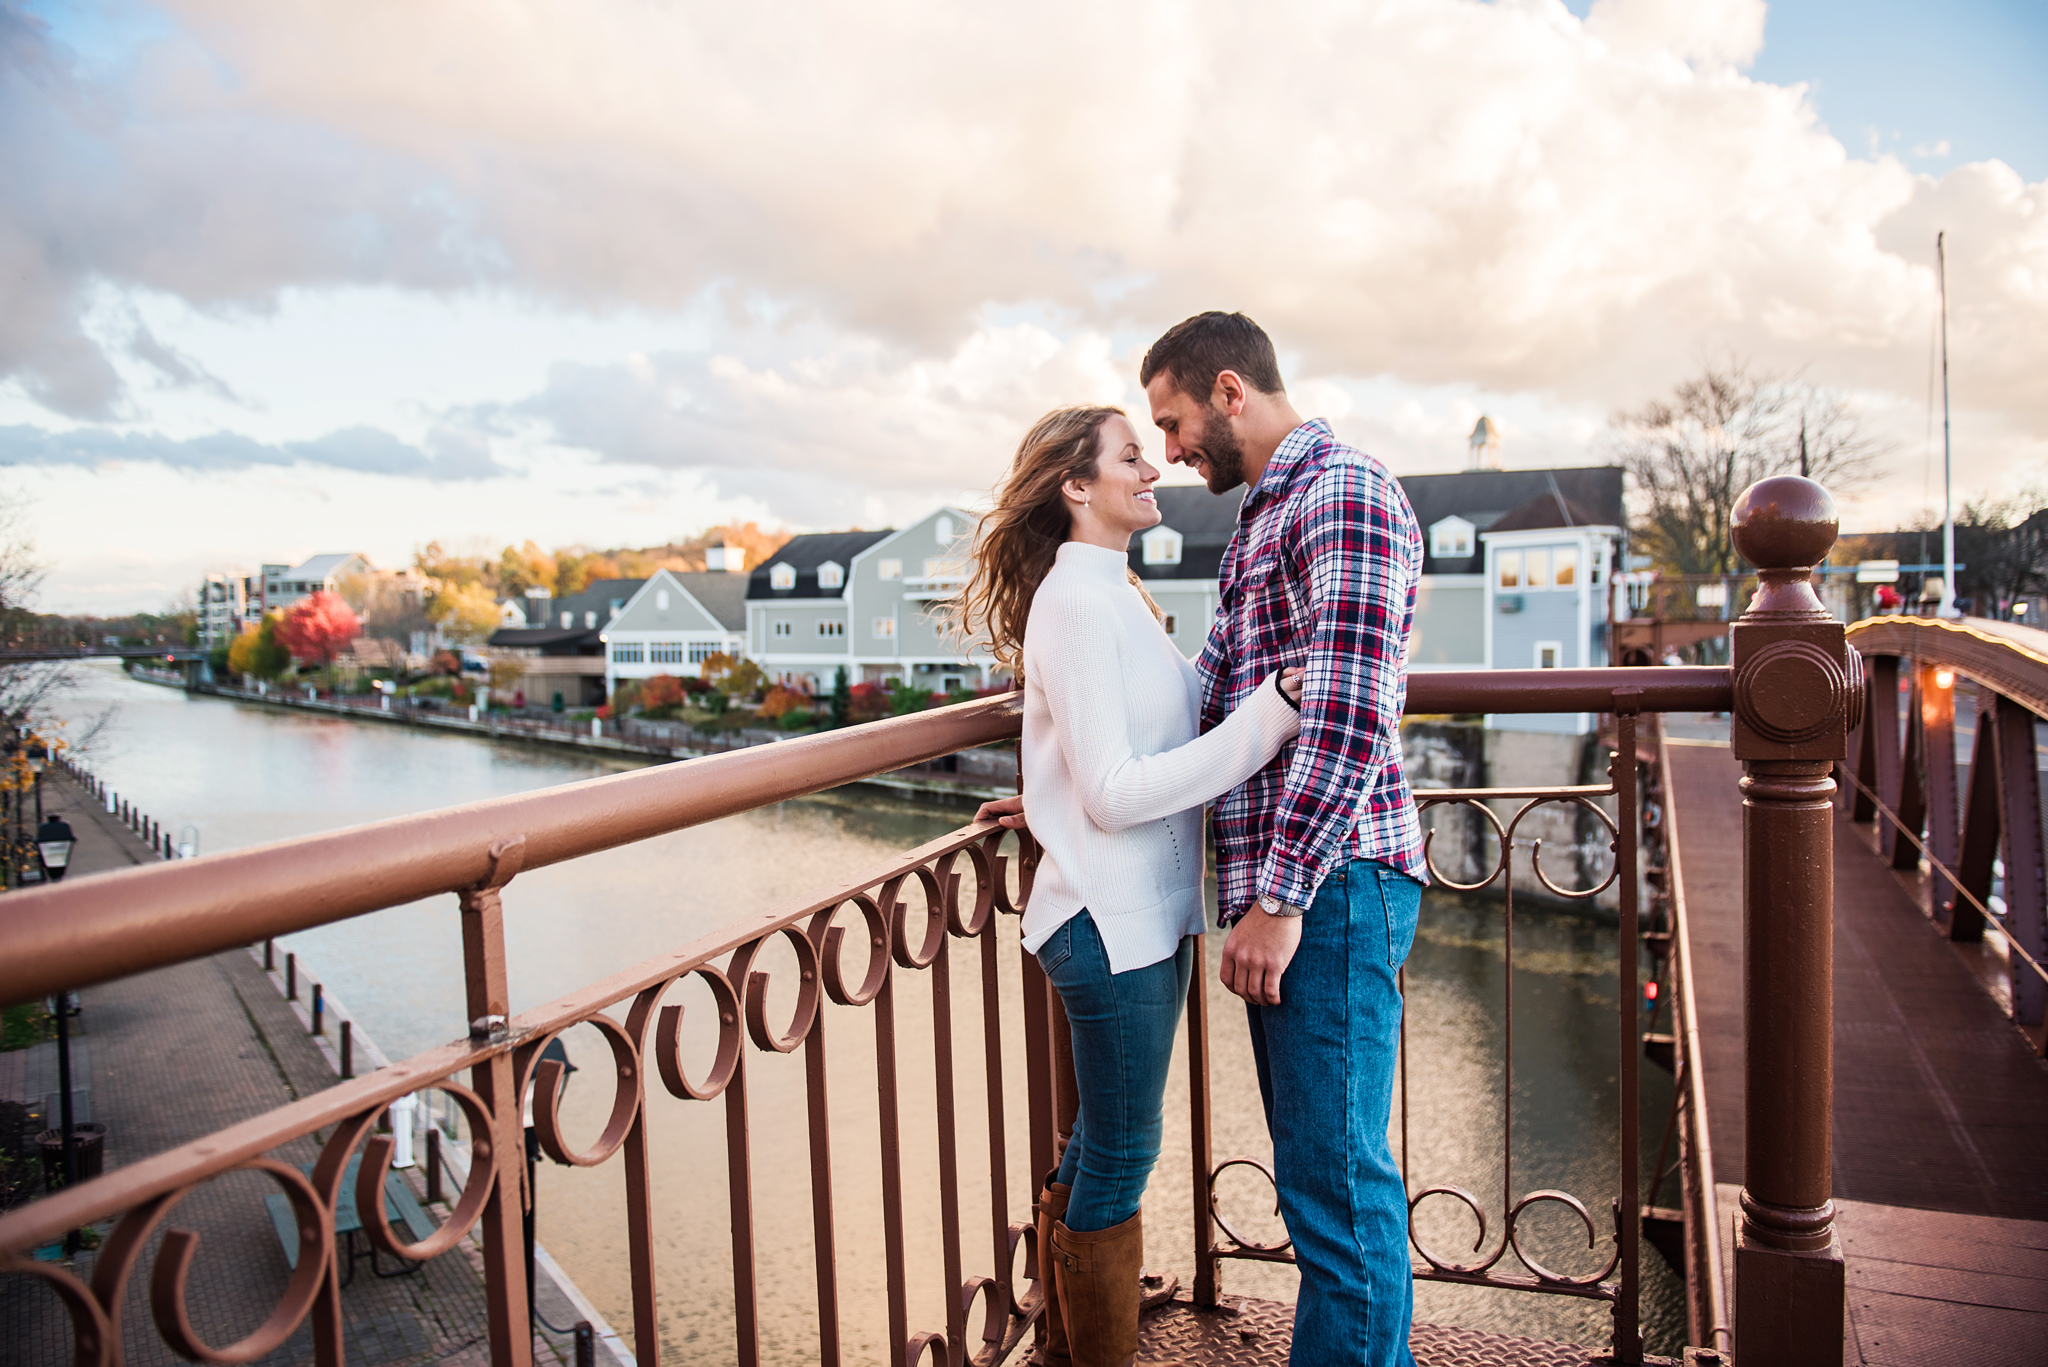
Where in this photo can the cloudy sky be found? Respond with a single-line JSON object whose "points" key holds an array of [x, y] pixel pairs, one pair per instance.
{"points": [[292, 276]]}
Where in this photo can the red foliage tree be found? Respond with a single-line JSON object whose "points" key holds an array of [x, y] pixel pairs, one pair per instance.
{"points": [[318, 628]]}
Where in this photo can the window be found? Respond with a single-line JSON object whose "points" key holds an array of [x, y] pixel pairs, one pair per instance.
{"points": [[1507, 566], [885, 626], [590, 619], [782, 628], [949, 683], [568, 620], [1549, 654], [1536, 568], [700, 651], [628, 653], [934, 567], [1170, 625], [1451, 539], [1564, 566], [831, 628], [1710, 595], [782, 578], [665, 653], [944, 528], [889, 569], [1162, 546], [661, 600], [830, 576]]}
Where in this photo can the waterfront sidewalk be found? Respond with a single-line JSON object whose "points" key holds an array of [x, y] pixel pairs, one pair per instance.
{"points": [[178, 1053]]}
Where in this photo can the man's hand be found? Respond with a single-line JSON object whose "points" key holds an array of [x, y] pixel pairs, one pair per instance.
{"points": [[1256, 954], [1004, 811]]}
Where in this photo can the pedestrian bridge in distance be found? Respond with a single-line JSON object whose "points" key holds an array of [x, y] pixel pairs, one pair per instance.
{"points": [[1848, 1171]]}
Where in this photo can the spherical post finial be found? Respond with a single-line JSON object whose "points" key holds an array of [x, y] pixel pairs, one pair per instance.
{"points": [[1785, 526], [1786, 522]]}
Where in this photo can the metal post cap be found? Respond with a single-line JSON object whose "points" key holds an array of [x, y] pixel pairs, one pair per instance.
{"points": [[1786, 522]]}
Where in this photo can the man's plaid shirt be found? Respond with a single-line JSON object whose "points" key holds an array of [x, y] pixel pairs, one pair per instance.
{"points": [[1321, 573]]}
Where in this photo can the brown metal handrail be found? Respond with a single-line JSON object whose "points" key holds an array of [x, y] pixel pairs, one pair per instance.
{"points": [[2009, 659]]}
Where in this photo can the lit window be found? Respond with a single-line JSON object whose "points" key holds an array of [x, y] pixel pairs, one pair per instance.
{"points": [[934, 567], [885, 626], [568, 620], [590, 619], [661, 599], [1549, 654], [782, 577], [1537, 568], [944, 528], [1169, 624], [1162, 546], [1565, 566], [1710, 595], [889, 569], [782, 628], [830, 576], [831, 628], [1508, 569]]}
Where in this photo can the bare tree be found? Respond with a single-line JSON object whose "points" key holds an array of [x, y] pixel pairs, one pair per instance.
{"points": [[27, 688], [1691, 455]]}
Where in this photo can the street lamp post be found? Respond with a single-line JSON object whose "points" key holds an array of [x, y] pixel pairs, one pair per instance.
{"points": [[54, 842]]}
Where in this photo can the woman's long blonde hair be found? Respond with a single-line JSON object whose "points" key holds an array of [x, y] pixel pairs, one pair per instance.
{"points": [[1020, 537]]}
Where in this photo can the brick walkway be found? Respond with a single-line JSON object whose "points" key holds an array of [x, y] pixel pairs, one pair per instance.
{"points": [[183, 1051]]}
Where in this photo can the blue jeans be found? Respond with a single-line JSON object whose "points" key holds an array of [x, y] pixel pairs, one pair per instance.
{"points": [[1123, 1026], [1326, 1058]]}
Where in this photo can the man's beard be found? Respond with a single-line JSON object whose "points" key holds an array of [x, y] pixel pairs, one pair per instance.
{"points": [[1221, 454]]}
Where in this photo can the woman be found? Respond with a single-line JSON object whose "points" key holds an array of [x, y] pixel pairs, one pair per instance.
{"points": [[1118, 777]]}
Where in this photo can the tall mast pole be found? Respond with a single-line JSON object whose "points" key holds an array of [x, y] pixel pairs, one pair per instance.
{"points": [[1948, 511]]}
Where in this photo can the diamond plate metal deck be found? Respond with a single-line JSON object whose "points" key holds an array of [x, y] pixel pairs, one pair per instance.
{"points": [[1255, 1333]]}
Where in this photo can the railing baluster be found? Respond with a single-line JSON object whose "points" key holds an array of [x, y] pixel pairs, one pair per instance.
{"points": [[483, 962], [1200, 1136], [1938, 720], [1980, 826], [1628, 1338], [640, 1191], [1883, 723], [2026, 884], [740, 1177], [949, 1155], [822, 1238], [892, 1171], [1912, 795], [998, 1146]]}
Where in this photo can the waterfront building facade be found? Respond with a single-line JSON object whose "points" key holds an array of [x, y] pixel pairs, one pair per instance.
{"points": [[227, 604], [284, 585], [868, 602], [562, 641]]}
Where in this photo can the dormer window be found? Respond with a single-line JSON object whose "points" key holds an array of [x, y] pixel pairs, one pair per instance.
{"points": [[830, 575], [661, 600], [782, 577], [944, 528], [568, 620], [1451, 539], [590, 618], [1162, 546]]}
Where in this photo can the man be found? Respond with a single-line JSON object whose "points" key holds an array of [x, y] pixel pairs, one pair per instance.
{"points": [[1319, 857]]}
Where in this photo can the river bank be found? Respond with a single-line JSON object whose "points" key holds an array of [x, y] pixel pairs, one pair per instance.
{"points": [[976, 785]]}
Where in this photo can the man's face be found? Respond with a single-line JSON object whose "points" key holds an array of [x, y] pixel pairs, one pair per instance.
{"points": [[1198, 434]]}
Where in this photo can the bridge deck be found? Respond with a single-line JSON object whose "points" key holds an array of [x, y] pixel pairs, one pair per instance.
{"points": [[1940, 1107]]}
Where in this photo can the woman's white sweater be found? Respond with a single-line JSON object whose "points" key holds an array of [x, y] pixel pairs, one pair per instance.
{"points": [[1115, 775]]}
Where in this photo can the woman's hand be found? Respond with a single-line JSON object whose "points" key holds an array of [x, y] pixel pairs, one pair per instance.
{"points": [[1290, 684], [1004, 811]]}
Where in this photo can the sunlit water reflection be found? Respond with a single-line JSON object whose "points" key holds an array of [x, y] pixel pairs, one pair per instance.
{"points": [[243, 775]]}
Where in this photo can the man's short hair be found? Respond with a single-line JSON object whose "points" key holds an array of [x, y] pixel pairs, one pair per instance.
{"points": [[1195, 351]]}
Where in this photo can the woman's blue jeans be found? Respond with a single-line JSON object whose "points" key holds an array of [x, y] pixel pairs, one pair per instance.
{"points": [[1326, 1057], [1123, 1026]]}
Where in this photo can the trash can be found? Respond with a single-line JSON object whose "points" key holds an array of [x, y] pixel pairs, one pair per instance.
{"points": [[89, 1140]]}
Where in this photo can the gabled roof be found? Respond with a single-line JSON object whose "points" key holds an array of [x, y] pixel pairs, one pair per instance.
{"points": [[549, 635], [1486, 497], [320, 566], [804, 554], [721, 594], [1545, 510]]}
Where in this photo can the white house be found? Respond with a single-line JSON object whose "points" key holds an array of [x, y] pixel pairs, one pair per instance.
{"points": [[675, 622]]}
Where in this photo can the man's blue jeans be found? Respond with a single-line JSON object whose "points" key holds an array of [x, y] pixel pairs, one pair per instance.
{"points": [[1326, 1058], [1123, 1026]]}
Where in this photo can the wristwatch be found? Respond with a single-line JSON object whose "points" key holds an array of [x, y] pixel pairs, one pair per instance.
{"points": [[1273, 906]]}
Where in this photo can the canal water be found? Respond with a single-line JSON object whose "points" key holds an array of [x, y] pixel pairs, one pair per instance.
{"points": [[241, 775]]}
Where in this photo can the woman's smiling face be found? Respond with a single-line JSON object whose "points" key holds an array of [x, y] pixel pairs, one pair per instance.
{"points": [[1118, 501]]}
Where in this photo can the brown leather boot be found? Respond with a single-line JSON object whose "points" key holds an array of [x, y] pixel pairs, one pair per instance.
{"points": [[1098, 1275], [1052, 1208]]}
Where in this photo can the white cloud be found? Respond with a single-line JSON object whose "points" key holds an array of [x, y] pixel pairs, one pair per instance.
{"points": [[846, 252]]}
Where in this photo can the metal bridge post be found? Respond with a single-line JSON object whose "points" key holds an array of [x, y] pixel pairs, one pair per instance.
{"points": [[1937, 689], [1798, 690]]}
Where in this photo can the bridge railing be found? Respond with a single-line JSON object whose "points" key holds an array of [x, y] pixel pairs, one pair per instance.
{"points": [[1987, 864], [775, 981]]}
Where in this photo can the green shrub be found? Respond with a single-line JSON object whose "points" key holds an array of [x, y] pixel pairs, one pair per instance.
{"points": [[798, 719], [904, 701], [26, 1024]]}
